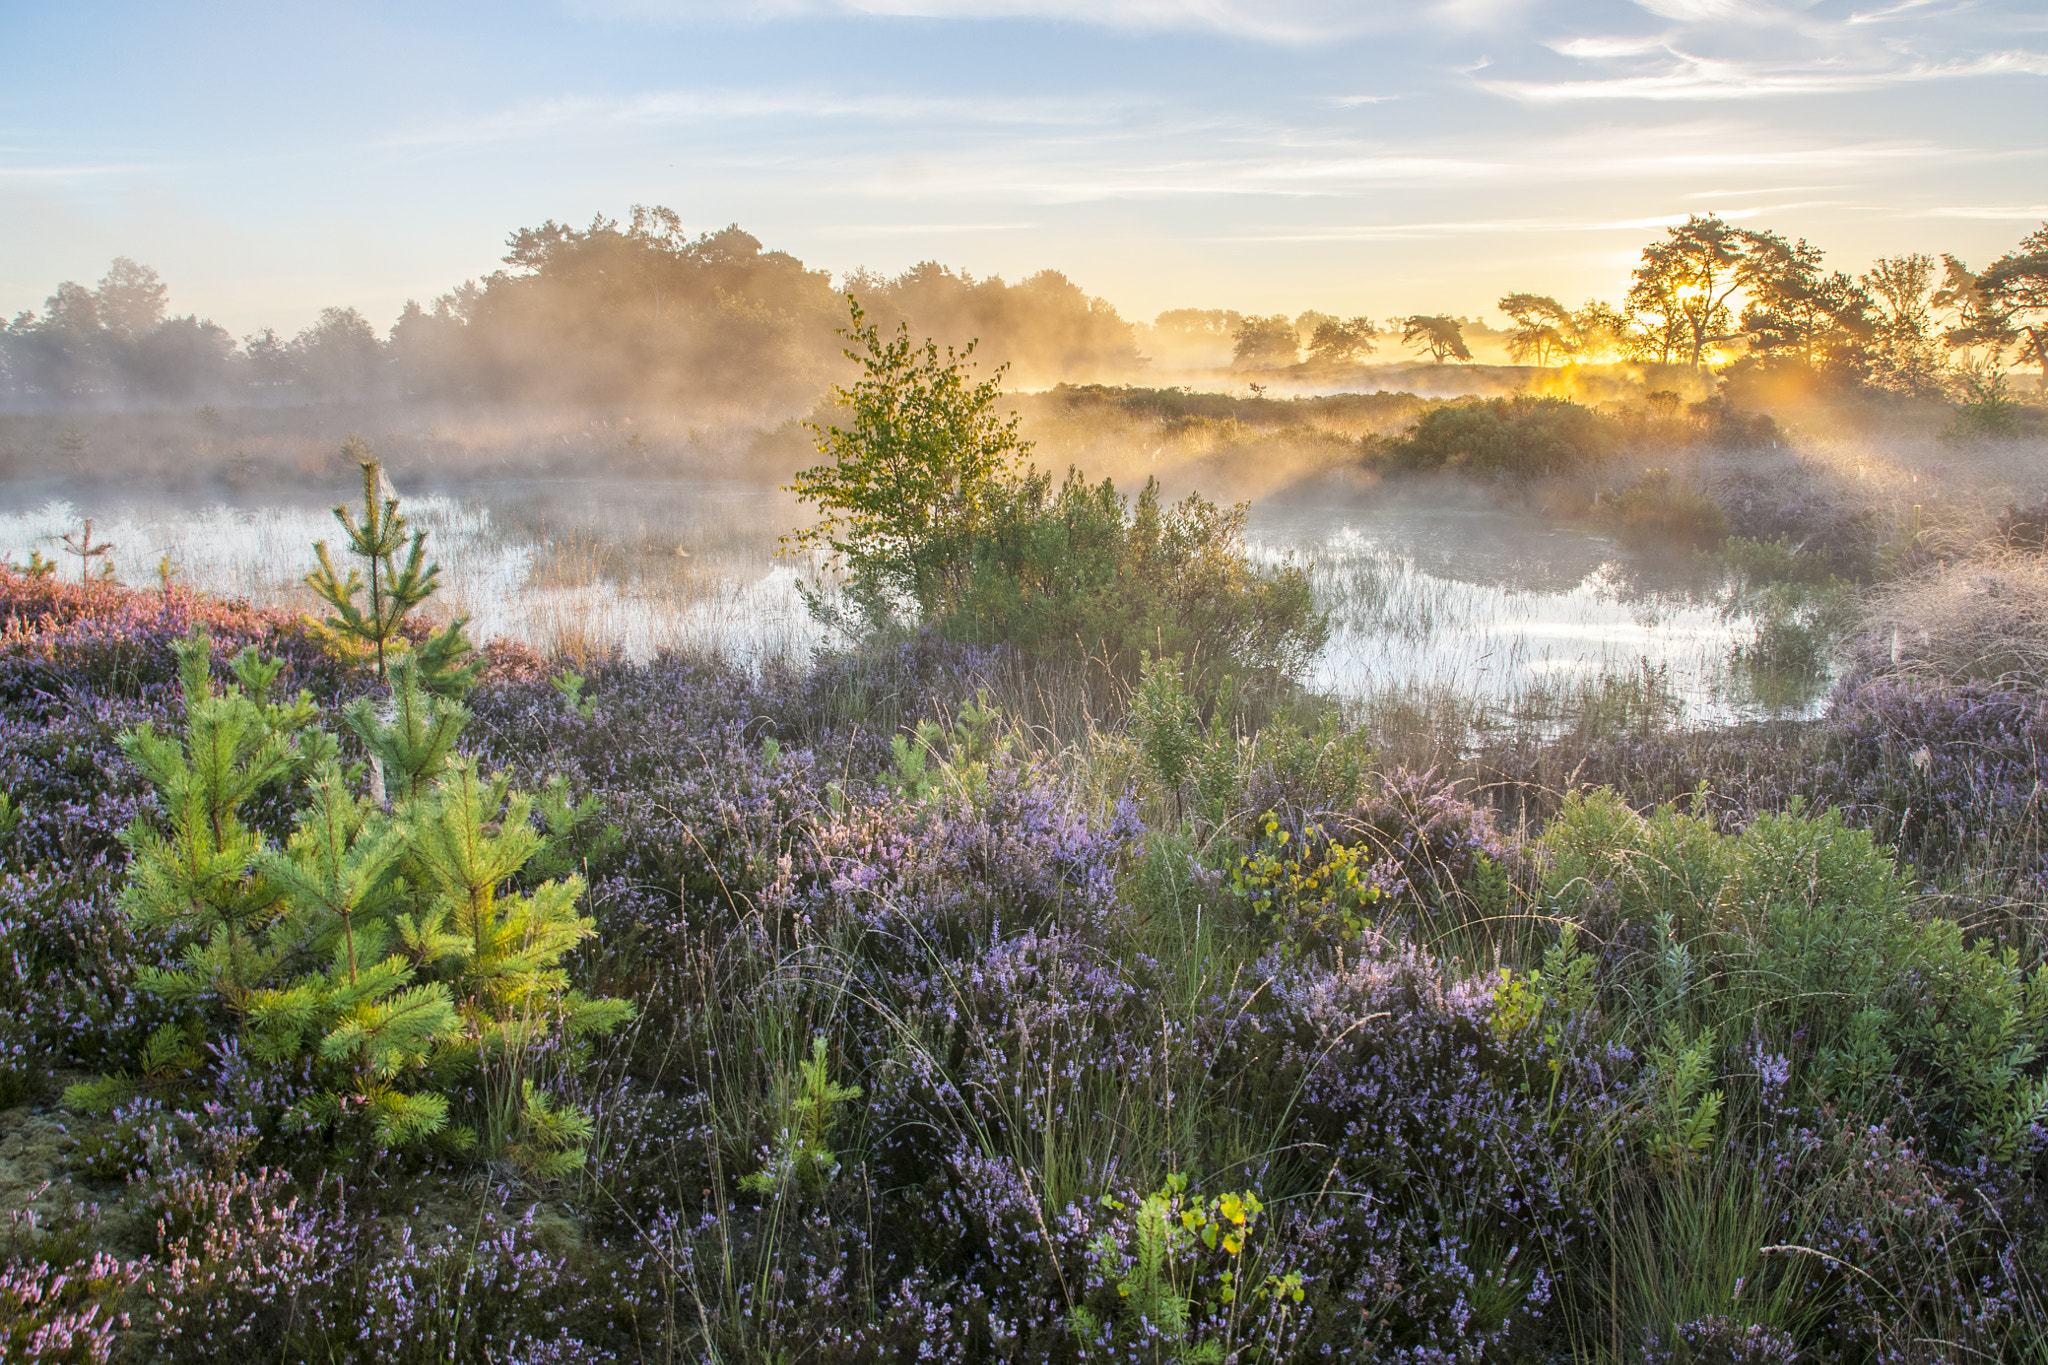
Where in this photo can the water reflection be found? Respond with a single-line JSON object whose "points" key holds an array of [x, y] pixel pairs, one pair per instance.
{"points": [[1424, 592]]}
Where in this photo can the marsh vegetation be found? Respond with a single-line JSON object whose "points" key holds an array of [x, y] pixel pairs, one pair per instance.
{"points": [[1104, 873]]}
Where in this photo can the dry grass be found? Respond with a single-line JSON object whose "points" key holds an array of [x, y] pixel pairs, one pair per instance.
{"points": [[1981, 617]]}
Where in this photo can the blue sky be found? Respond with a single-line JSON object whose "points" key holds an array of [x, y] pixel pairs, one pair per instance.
{"points": [[273, 158]]}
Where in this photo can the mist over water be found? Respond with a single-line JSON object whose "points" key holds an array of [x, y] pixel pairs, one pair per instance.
{"points": [[1424, 591]]}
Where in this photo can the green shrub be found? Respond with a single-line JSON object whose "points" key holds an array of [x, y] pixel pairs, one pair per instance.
{"points": [[1520, 436], [378, 948], [1799, 934], [929, 511], [1182, 1279], [1988, 412], [1315, 890], [1085, 574]]}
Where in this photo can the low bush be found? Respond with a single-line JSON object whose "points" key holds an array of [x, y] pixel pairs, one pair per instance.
{"points": [[1799, 931], [1520, 437], [1081, 573]]}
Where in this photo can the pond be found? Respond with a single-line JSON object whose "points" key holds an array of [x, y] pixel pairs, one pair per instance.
{"points": [[1425, 591]]}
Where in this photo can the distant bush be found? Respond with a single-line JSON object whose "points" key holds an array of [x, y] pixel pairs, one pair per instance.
{"points": [[1760, 563], [1718, 421], [1522, 437], [1529, 437], [1082, 572], [1826, 523], [1988, 412]]}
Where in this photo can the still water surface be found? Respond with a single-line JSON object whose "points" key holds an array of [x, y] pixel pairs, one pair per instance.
{"points": [[1423, 593]]}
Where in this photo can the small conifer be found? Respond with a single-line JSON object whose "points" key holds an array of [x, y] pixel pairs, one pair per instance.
{"points": [[384, 951], [394, 590]]}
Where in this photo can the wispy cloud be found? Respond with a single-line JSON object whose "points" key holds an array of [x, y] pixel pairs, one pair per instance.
{"points": [[1688, 77], [2018, 212], [1472, 227], [1917, 8], [577, 114], [82, 171], [1279, 21]]}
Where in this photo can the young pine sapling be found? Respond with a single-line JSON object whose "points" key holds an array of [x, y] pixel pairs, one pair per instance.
{"points": [[375, 627]]}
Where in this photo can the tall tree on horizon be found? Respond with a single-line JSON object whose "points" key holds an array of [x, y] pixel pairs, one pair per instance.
{"points": [[1680, 294], [1442, 338], [2016, 285], [1543, 327]]}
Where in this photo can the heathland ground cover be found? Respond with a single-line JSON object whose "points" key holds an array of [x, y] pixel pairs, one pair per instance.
{"points": [[1041, 972]]}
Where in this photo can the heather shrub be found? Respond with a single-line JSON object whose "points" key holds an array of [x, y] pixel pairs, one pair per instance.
{"points": [[1720, 1340], [1829, 523], [1453, 1167], [110, 641], [61, 1302], [1445, 866]]}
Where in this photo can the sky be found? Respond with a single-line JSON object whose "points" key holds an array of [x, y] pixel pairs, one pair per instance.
{"points": [[1266, 155]]}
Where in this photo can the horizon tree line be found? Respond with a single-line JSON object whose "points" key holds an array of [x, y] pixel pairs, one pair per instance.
{"points": [[644, 312], [1711, 291]]}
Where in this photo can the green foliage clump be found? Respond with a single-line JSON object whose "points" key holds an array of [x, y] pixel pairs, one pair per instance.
{"points": [[914, 476], [1758, 563], [39, 565], [1314, 889], [1175, 749], [377, 948], [929, 510], [1988, 412], [1081, 572], [1521, 437], [1802, 929], [1182, 1273], [949, 757], [808, 1102]]}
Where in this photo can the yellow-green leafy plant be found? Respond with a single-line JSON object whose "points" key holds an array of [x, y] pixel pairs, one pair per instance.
{"points": [[1182, 1271], [1542, 1002], [1309, 887]]}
